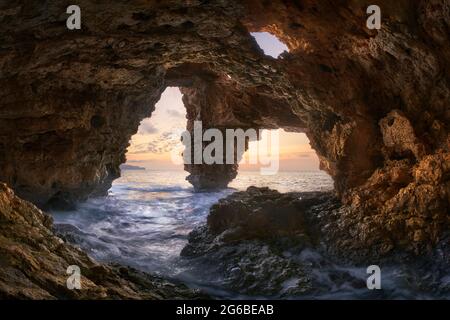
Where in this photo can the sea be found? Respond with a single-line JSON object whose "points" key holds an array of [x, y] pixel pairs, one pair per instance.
{"points": [[145, 220]]}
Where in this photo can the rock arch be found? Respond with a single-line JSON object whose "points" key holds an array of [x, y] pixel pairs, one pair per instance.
{"points": [[373, 103]]}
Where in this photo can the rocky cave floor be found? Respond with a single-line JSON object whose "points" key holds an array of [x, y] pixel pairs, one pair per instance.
{"points": [[292, 245], [263, 243]]}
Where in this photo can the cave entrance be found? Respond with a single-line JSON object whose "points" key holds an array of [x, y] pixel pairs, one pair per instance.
{"points": [[298, 165], [158, 136]]}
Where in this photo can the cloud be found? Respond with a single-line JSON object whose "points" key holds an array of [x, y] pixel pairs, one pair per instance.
{"points": [[147, 128], [163, 143], [175, 113]]}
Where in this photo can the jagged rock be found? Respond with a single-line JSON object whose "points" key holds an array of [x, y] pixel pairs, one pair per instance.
{"points": [[254, 251], [248, 267], [34, 261], [374, 103], [70, 100], [249, 231], [404, 205], [399, 137], [263, 213]]}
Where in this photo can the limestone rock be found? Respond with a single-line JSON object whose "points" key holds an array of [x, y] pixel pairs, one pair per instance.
{"points": [[248, 232], [34, 262], [399, 137], [71, 100], [307, 245], [262, 213]]}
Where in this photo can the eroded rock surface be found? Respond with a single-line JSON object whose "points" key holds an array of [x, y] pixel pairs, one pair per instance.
{"points": [[300, 245], [374, 103], [34, 261], [247, 233]]}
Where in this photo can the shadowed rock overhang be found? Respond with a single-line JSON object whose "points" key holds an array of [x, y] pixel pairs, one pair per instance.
{"points": [[374, 103]]}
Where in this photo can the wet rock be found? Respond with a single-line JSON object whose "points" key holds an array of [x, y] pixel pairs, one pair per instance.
{"points": [[262, 213], [374, 104], [251, 234], [290, 264], [34, 262]]}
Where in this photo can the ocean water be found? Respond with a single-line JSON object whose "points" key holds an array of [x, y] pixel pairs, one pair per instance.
{"points": [[145, 220]]}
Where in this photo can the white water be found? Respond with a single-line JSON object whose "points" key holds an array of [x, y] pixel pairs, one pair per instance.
{"points": [[145, 219]]}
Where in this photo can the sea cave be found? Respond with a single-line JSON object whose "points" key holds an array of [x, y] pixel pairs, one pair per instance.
{"points": [[371, 105]]}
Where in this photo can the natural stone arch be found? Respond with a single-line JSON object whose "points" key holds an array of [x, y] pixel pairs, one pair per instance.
{"points": [[70, 100], [221, 102], [82, 111]]}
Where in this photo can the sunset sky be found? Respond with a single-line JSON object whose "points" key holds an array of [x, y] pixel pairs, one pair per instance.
{"points": [[151, 147]]}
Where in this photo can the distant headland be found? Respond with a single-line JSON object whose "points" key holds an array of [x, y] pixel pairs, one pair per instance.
{"points": [[130, 167]]}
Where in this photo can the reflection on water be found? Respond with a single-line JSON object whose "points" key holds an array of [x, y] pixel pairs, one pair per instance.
{"points": [[145, 219]]}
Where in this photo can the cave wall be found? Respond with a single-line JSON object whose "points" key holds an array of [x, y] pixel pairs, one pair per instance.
{"points": [[71, 100], [376, 108], [374, 103]]}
